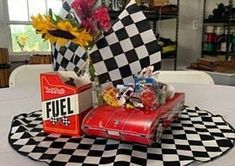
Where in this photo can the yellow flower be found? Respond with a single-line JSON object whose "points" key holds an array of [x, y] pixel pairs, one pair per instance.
{"points": [[42, 24], [22, 39], [83, 38], [61, 31]]}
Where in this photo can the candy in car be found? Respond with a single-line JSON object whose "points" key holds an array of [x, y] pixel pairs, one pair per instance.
{"points": [[135, 113]]}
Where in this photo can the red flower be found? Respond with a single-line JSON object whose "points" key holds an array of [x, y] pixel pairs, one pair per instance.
{"points": [[90, 25], [92, 19], [83, 8], [102, 17]]}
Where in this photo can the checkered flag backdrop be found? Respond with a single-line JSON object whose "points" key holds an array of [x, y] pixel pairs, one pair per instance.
{"points": [[70, 57], [126, 49]]}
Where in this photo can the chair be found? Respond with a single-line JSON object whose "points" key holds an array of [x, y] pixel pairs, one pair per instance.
{"points": [[28, 75], [186, 76]]}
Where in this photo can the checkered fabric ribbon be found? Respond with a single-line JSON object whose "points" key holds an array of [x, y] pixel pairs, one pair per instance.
{"points": [[196, 136], [55, 119], [126, 49], [70, 57]]}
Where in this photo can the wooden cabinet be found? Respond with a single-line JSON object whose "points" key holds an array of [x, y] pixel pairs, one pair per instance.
{"points": [[4, 67]]}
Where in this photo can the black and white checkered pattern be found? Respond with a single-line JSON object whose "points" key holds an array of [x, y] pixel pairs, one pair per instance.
{"points": [[126, 49], [70, 57], [64, 120], [54, 119], [196, 136]]}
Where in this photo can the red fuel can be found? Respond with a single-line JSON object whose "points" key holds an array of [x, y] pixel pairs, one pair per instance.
{"points": [[66, 99]]}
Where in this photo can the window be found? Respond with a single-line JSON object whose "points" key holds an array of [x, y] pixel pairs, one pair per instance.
{"points": [[23, 36]]}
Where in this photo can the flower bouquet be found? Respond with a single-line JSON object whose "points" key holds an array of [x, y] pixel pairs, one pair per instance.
{"points": [[82, 26]]}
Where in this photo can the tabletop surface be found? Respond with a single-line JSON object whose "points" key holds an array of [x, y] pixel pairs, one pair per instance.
{"points": [[215, 98]]}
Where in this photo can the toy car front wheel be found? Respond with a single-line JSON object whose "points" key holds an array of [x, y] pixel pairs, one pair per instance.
{"points": [[159, 132]]}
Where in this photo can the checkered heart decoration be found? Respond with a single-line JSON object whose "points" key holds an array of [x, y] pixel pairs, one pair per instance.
{"points": [[125, 50], [70, 57], [196, 136]]}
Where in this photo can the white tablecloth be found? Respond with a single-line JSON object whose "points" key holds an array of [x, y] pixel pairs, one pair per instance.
{"points": [[214, 98]]}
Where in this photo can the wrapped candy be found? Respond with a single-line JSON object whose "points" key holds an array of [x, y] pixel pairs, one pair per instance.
{"points": [[144, 93], [125, 93], [149, 98], [166, 92], [109, 96]]}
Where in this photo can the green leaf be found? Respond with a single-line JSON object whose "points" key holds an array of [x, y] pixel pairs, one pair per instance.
{"points": [[58, 18], [91, 70], [50, 13]]}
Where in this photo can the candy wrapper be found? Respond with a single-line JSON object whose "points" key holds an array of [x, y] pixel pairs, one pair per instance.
{"points": [[145, 92]]}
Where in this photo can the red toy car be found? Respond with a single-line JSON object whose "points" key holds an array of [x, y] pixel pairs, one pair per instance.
{"points": [[133, 124]]}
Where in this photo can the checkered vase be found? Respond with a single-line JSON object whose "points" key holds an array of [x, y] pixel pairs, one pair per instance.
{"points": [[70, 57]]}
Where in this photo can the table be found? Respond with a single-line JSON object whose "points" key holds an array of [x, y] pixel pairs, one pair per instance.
{"points": [[215, 98]]}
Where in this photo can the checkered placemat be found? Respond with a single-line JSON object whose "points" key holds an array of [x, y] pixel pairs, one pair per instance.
{"points": [[196, 136]]}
